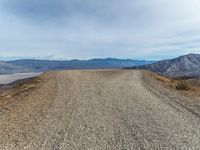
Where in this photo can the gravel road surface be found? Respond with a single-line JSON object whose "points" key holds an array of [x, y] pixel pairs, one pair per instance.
{"points": [[97, 110]]}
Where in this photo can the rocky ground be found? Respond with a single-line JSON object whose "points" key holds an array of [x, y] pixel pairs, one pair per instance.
{"points": [[97, 109]]}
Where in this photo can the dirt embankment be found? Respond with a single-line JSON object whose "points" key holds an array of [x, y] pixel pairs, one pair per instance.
{"points": [[24, 104], [166, 89], [187, 87]]}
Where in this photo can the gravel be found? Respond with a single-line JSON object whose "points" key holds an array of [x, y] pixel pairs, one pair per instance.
{"points": [[104, 109]]}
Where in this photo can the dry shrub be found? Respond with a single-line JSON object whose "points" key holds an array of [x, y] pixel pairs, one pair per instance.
{"points": [[182, 86], [159, 78]]}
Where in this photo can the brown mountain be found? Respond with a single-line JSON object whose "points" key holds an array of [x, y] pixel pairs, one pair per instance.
{"points": [[184, 66]]}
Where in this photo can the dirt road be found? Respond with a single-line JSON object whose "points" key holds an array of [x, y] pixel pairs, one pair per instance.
{"points": [[110, 109]]}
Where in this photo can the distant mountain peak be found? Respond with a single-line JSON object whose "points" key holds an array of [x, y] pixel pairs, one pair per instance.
{"points": [[187, 65]]}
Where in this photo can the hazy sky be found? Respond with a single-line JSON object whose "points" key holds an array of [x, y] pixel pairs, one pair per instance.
{"points": [[138, 29]]}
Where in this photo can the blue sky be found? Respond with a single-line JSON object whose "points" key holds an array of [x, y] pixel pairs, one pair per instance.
{"points": [[84, 29]]}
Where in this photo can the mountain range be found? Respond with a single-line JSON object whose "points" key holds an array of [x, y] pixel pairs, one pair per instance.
{"points": [[183, 66], [32, 65]]}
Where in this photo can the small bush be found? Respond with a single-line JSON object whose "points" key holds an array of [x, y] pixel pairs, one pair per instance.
{"points": [[182, 86]]}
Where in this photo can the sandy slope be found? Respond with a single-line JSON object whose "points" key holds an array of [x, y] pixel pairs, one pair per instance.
{"points": [[110, 109]]}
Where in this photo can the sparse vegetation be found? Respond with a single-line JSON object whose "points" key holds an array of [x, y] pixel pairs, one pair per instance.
{"points": [[182, 86], [18, 88]]}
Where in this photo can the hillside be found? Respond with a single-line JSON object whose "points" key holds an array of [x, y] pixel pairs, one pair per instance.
{"points": [[184, 66], [31, 65]]}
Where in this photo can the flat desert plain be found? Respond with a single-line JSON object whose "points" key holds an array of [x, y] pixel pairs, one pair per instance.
{"points": [[7, 79]]}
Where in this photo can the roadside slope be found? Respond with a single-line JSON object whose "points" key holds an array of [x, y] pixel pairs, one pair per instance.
{"points": [[105, 109]]}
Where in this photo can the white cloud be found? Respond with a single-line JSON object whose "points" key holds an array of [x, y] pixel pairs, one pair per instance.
{"points": [[86, 29]]}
